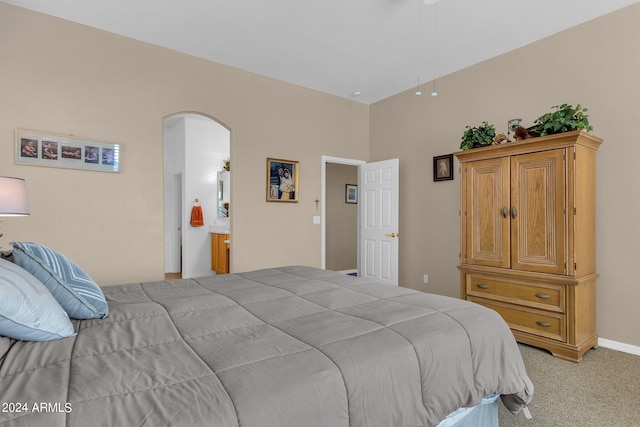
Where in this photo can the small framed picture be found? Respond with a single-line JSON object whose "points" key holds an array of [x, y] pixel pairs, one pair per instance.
{"points": [[351, 193], [443, 168], [282, 180]]}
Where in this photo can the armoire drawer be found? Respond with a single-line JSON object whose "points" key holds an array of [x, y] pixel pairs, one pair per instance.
{"points": [[536, 322], [545, 297]]}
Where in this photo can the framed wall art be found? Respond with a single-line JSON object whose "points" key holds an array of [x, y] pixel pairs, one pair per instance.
{"points": [[59, 151], [443, 168], [351, 193], [282, 180]]}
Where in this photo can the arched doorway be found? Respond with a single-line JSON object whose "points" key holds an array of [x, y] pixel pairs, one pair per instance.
{"points": [[195, 149]]}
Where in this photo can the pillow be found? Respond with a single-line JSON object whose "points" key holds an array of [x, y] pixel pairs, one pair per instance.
{"points": [[76, 292], [28, 312]]}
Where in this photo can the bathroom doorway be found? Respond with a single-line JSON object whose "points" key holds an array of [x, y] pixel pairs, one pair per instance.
{"points": [[196, 147]]}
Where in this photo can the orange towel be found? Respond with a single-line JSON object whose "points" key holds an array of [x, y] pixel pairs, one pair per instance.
{"points": [[197, 219]]}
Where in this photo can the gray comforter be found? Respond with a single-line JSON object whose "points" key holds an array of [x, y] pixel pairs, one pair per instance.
{"points": [[293, 346]]}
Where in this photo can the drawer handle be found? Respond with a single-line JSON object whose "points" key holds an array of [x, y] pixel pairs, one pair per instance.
{"points": [[543, 296], [481, 286], [543, 324]]}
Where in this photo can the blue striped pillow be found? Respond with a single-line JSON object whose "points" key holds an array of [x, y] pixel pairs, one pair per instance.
{"points": [[74, 290]]}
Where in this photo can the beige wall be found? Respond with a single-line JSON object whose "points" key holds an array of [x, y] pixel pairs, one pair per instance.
{"points": [[342, 219], [65, 78], [595, 64]]}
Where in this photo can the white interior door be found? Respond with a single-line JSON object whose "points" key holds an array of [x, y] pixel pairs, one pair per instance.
{"points": [[177, 240], [378, 205]]}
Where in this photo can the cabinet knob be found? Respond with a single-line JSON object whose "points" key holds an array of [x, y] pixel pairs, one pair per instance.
{"points": [[505, 212], [543, 296], [543, 324], [514, 212]]}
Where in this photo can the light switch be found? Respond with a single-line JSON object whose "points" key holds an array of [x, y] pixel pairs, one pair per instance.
{"points": [[316, 219]]}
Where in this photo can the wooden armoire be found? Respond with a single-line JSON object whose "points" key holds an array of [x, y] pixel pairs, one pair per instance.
{"points": [[528, 238]]}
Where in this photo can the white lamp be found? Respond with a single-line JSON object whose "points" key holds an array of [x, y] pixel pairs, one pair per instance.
{"points": [[13, 197]]}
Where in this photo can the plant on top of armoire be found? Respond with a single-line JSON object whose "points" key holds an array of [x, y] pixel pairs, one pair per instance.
{"points": [[478, 136], [565, 118]]}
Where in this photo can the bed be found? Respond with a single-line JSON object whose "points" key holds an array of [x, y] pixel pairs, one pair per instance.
{"points": [[291, 346]]}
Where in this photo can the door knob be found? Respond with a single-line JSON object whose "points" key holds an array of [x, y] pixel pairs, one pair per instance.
{"points": [[392, 235]]}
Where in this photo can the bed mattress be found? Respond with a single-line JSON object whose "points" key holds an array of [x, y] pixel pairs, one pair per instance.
{"points": [[291, 346]]}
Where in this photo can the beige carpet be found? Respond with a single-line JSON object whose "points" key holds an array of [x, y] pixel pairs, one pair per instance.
{"points": [[602, 390]]}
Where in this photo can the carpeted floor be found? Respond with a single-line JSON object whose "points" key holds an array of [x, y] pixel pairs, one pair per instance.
{"points": [[602, 390]]}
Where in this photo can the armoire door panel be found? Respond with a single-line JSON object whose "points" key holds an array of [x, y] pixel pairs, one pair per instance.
{"points": [[538, 212], [487, 225]]}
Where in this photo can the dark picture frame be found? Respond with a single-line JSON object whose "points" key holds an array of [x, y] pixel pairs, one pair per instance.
{"points": [[443, 168], [282, 180], [351, 193]]}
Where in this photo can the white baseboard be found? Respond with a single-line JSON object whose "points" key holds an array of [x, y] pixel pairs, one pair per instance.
{"points": [[620, 346]]}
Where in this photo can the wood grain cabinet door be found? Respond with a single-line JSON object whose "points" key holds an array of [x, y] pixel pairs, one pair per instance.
{"points": [[486, 213], [214, 251], [538, 216]]}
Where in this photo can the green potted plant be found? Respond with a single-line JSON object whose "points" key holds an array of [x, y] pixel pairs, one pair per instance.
{"points": [[565, 118], [478, 136]]}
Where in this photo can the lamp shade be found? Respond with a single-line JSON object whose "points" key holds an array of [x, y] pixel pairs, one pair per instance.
{"points": [[13, 197]]}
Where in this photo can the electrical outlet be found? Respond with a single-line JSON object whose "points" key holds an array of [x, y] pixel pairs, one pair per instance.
{"points": [[426, 278]]}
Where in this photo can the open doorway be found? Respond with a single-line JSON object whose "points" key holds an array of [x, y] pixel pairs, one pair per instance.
{"points": [[339, 219], [342, 218], [196, 147]]}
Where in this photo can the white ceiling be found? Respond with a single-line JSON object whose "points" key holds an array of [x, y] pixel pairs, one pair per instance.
{"points": [[376, 47]]}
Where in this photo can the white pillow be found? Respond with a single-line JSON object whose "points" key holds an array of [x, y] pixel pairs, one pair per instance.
{"points": [[28, 311]]}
